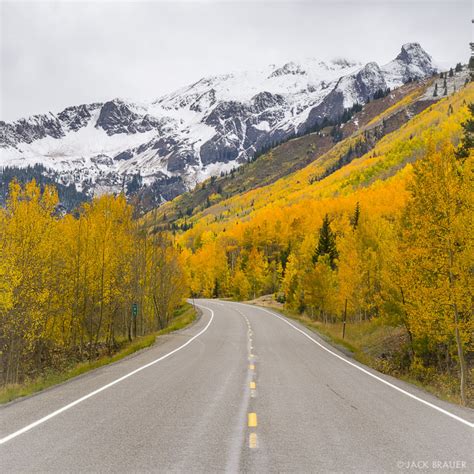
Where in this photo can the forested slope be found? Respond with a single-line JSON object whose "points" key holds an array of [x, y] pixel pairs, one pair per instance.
{"points": [[374, 120], [387, 235]]}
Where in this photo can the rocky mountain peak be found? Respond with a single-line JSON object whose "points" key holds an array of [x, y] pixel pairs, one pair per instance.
{"points": [[288, 68], [412, 63], [114, 116], [203, 129], [413, 53]]}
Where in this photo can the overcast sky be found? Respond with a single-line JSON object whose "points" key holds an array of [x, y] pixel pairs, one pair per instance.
{"points": [[60, 53]]}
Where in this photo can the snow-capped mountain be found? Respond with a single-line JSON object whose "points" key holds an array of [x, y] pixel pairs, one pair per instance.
{"points": [[200, 130]]}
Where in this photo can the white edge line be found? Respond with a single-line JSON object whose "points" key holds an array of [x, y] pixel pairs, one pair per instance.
{"points": [[105, 387], [386, 382]]}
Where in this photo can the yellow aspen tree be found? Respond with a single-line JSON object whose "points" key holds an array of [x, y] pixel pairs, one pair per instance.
{"points": [[437, 250], [256, 271]]}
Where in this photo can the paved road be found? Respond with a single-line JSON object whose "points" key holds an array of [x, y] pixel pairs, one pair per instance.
{"points": [[249, 391]]}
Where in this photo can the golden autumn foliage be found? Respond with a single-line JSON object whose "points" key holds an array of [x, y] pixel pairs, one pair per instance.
{"points": [[401, 216], [437, 254], [68, 282]]}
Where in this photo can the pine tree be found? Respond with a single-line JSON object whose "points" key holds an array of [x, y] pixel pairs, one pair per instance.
{"points": [[326, 243], [355, 217], [435, 93], [467, 141], [451, 72]]}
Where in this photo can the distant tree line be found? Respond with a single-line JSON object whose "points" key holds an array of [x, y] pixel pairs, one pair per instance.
{"points": [[69, 197]]}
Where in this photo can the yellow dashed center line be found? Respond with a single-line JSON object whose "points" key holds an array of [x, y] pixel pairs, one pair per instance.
{"points": [[252, 417], [252, 420], [253, 440]]}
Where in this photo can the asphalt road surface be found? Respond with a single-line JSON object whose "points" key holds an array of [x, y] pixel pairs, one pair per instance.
{"points": [[241, 390]]}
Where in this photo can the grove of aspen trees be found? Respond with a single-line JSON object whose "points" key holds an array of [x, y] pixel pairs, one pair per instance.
{"points": [[68, 283], [387, 238]]}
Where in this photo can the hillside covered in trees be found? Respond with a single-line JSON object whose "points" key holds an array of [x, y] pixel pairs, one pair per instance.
{"points": [[384, 236], [375, 119]]}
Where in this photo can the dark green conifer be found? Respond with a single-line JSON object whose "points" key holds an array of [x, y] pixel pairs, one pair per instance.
{"points": [[326, 243]]}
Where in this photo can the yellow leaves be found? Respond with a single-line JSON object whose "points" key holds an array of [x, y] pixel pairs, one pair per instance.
{"points": [[69, 282], [256, 270], [240, 286], [8, 281], [376, 179], [206, 266], [437, 247], [207, 237]]}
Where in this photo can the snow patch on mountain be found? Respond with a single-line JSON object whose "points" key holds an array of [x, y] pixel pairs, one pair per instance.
{"points": [[202, 129]]}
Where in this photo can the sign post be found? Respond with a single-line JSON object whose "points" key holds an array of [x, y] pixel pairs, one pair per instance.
{"points": [[134, 317], [344, 320]]}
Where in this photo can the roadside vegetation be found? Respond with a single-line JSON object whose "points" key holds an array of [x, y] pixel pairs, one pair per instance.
{"points": [[181, 318], [378, 344], [79, 288], [384, 241]]}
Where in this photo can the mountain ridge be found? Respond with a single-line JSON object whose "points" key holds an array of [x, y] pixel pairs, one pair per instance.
{"points": [[200, 130]]}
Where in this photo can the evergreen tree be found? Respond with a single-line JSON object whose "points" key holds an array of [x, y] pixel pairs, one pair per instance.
{"points": [[216, 290], [435, 93], [336, 134], [451, 72], [356, 216], [458, 67], [467, 141], [326, 243]]}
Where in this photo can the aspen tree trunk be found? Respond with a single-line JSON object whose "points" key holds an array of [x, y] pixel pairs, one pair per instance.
{"points": [[86, 295], [407, 327], [462, 361], [102, 278], [77, 277], [145, 284]]}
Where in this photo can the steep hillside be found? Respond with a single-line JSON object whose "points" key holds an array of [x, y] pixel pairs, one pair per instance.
{"points": [[365, 128], [298, 195], [382, 240]]}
